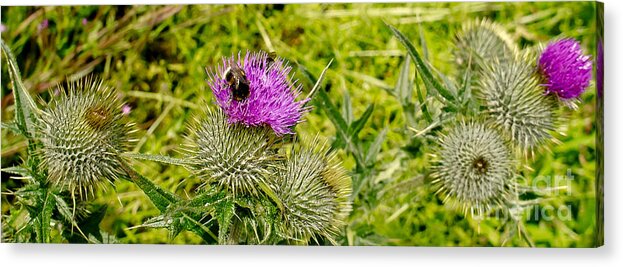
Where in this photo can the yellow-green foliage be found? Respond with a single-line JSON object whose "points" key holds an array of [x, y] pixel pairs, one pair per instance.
{"points": [[155, 57]]}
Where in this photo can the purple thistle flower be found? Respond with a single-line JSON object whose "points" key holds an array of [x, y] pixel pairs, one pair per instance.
{"points": [[566, 69], [272, 94], [84, 22], [2, 27]]}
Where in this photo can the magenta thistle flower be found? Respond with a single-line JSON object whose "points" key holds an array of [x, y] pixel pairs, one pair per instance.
{"points": [[266, 95], [566, 69]]}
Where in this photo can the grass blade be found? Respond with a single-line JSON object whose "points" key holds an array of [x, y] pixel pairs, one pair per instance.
{"points": [[314, 89]]}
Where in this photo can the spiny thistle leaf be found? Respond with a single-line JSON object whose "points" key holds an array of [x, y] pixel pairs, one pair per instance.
{"points": [[480, 42], [423, 68], [315, 191], [515, 102], [83, 134], [474, 167], [233, 156], [25, 108]]}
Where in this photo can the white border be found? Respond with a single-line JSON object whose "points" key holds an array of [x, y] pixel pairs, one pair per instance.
{"points": [[182, 256]]}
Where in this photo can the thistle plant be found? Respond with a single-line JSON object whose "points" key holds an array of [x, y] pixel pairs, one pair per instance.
{"points": [[232, 156], [315, 191], [74, 147], [83, 134], [513, 100], [271, 98], [486, 140], [566, 70], [481, 41], [251, 191], [474, 168]]}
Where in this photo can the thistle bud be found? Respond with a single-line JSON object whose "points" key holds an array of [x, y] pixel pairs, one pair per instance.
{"points": [[315, 192], [235, 157], [481, 42], [83, 133], [473, 168], [514, 101]]}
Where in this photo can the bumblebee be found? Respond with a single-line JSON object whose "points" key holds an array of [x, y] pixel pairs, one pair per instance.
{"points": [[237, 82], [270, 59]]}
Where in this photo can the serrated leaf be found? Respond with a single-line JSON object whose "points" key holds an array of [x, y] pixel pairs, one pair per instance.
{"points": [[157, 158], [158, 196], [12, 126], [44, 218], [422, 67], [201, 230], [156, 222], [225, 211], [16, 170], [63, 208], [25, 107]]}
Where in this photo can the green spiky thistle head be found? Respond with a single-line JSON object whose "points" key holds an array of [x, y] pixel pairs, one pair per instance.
{"points": [[235, 157], [83, 134], [315, 191], [474, 167], [480, 42], [514, 101]]}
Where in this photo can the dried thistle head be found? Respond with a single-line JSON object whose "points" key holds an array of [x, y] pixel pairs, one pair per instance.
{"points": [[474, 167], [82, 134], [514, 101], [235, 157], [481, 41], [315, 191]]}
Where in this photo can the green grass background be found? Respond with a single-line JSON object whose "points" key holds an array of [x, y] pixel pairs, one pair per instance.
{"points": [[155, 56]]}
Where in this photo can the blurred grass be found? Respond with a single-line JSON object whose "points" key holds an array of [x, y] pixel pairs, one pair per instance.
{"points": [[155, 56]]}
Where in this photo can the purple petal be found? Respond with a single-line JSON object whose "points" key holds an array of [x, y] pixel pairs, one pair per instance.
{"points": [[272, 93], [566, 68]]}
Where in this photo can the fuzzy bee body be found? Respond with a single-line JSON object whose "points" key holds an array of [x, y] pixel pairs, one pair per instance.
{"points": [[270, 59], [237, 82]]}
